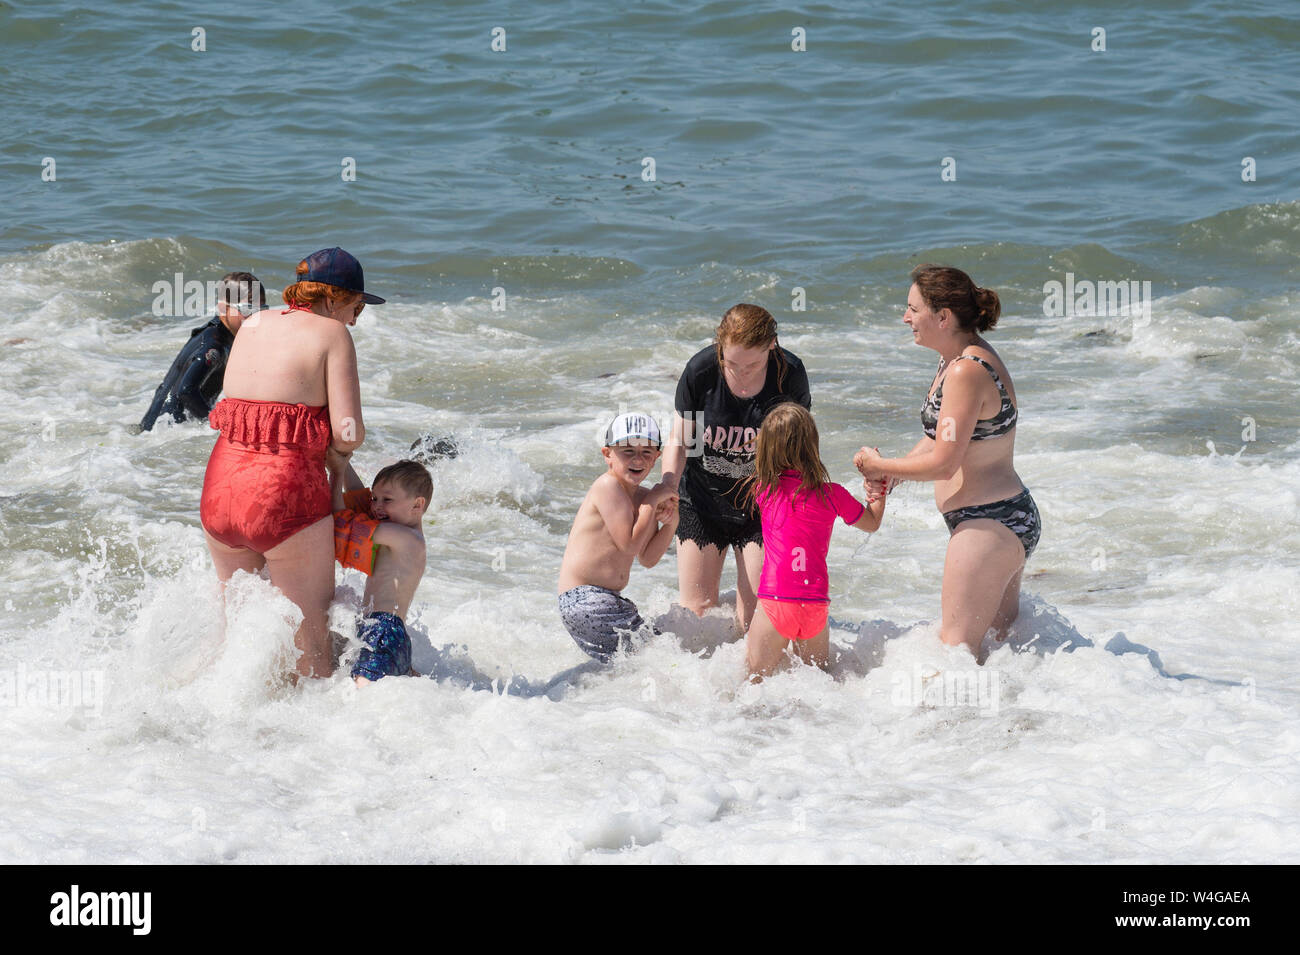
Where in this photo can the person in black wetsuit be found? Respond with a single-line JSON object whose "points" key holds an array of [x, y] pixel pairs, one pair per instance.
{"points": [[195, 378], [722, 397]]}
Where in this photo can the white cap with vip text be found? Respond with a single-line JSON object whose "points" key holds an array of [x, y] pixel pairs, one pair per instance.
{"points": [[627, 427]]}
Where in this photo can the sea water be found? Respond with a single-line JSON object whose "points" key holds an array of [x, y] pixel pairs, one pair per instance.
{"points": [[542, 277]]}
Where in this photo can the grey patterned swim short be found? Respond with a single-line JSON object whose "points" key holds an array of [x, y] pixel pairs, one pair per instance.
{"points": [[599, 619]]}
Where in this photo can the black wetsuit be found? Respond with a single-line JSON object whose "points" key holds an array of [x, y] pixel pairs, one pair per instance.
{"points": [[195, 378]]}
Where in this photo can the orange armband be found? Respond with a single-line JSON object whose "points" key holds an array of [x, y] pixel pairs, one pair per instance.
{"points": [[358, 500], [354, 532]]}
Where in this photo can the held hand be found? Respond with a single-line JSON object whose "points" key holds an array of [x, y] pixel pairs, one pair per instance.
{"points": [[860, 457], [666, 511], [875, 490], [867, 461], [335, 462], [659, 493]]}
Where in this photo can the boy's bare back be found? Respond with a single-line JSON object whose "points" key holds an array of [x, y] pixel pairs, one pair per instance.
{"points": [[398, 539], [400, 557]]}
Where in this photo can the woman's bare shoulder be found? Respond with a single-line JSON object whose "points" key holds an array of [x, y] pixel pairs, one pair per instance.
{"points": [[324, 333], [336, 333], [986, 351]]}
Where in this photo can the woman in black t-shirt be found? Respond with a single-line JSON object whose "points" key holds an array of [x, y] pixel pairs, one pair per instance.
{"points": [[722, 397]]}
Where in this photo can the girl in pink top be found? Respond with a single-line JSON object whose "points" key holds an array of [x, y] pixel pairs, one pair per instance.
{"points": [[798, 504]]}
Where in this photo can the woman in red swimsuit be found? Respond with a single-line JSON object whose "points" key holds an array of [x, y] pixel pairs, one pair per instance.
{"points": [[291, 392]]}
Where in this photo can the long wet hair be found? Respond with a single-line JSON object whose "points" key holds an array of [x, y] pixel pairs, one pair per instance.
{"points": [[787, 441], [750, 326], [976, 309]]}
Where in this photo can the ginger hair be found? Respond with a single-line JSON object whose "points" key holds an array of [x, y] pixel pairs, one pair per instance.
{"points": [[308, 294], [750, 326]]}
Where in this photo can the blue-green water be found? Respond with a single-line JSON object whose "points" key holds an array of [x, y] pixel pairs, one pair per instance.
{"points": [[815, 163]]}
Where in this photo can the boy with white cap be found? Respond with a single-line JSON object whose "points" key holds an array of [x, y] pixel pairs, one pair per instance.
{"points": [[619, 521]]}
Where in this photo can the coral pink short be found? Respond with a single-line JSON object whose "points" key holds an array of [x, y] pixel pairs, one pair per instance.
{"points": [[796, 619]]}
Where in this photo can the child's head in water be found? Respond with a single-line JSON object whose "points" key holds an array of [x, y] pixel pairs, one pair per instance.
{"points": [[632, 446], [787, 441], [401, 493]]}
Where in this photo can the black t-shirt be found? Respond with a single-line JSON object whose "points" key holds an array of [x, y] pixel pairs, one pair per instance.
{"points": [[722, 452], [195, 378]]}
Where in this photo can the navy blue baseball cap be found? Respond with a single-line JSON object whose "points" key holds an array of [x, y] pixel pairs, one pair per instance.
{"points": [[340, 269]]}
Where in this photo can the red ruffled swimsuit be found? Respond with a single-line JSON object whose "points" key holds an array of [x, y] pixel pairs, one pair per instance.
{"points": [[266, 478]]}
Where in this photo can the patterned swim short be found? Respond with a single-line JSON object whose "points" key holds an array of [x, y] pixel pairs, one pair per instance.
{"points": [[1018, 514], [388, 648], [599, 620]]}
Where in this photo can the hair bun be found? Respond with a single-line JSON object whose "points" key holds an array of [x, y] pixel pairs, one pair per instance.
{"points": [[987, 308]]}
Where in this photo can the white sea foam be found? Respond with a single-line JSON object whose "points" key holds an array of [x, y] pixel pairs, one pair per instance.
{"points": [[1144, 710]]}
